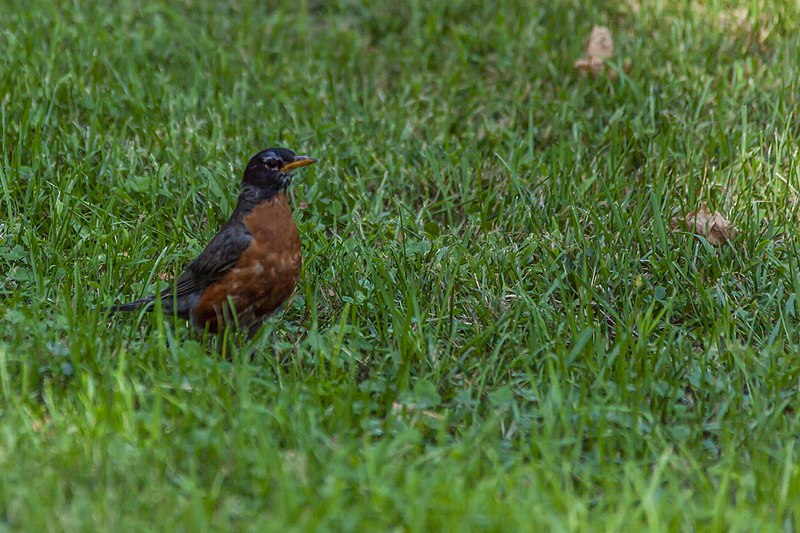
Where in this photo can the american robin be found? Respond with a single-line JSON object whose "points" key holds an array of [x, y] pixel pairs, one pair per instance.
{"points": [[252, 264]]}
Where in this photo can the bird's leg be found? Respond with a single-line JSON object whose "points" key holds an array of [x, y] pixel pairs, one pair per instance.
{"points": [[226, 343], [254, 329], [252, 339]]}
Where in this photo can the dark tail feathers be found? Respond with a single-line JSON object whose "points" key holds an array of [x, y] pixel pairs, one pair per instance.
{"points": [[132, 306]]}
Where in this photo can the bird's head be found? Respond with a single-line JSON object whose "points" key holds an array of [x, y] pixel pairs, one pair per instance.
{"points": [[271, 170]]}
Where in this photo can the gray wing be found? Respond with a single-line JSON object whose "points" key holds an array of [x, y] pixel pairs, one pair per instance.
{"points": [[218, 257]]}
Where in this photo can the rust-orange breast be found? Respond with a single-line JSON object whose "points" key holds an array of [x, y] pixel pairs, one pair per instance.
{"points": [[264, 276]]}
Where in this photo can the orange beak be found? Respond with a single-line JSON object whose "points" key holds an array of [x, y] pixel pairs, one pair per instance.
{"points": [[299, 161]]}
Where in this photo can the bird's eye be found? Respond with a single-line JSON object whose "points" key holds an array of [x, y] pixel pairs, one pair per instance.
{"points": [[273, 162]]}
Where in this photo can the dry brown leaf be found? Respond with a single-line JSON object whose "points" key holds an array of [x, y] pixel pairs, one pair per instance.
{"points": [[600, 43], [739, 22], [398, 407], [713, 226], [735, 19], [599, 47]]}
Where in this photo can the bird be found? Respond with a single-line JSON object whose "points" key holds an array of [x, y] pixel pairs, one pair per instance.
{"points": [[251, 265]]}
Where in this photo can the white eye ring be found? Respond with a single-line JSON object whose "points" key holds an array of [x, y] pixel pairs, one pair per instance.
{"points": [[273, 162]]}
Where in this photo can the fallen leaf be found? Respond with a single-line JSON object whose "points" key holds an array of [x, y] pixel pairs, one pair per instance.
{"points": [[739, 22], [401, 408], [592, 65], [735, 19], [713, 226], [599, 47], [600, 43]]}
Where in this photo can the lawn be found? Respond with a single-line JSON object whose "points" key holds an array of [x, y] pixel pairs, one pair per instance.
{"points": [[496, 326]]}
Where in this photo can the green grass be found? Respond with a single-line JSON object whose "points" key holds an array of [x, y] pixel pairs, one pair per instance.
{"points": [[495, 328]]}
